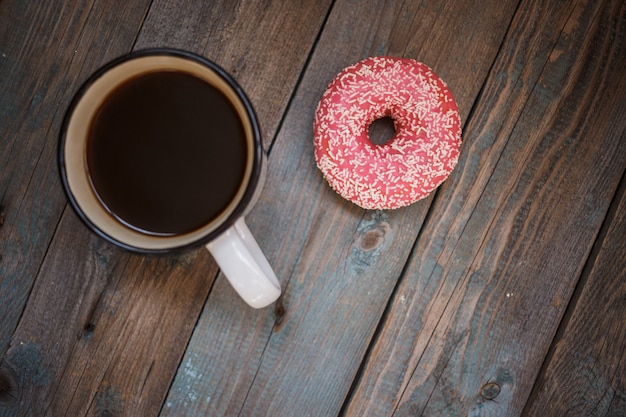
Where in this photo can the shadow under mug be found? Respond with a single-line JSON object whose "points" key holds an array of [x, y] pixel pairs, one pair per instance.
{"points": [[225, 234]]}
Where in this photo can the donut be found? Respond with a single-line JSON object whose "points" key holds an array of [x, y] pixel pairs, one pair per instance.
{"points": [[417, 159]]}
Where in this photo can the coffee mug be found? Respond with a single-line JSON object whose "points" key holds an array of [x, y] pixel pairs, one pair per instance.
{"points": [[160, 150]]}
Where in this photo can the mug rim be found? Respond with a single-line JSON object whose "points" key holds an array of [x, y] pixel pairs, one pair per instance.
{"points": [[257, 148]]}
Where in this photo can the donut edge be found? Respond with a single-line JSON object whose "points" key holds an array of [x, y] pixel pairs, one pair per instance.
{"points": [[321, 142]]}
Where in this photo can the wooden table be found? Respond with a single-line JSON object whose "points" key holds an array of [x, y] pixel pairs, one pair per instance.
{"points": [[501, 294]]}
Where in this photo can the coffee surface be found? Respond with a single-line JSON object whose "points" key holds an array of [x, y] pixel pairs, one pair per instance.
{"points": [[166, 153]]}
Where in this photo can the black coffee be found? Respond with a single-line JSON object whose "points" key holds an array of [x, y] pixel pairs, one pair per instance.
{"points": [[166, 153]]}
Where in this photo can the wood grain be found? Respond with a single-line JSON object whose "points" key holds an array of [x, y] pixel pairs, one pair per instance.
{"points": [[338, 263], [46, 51], [497, 264], [507, 88], [489, 298], [102, 323], [103, 331], [263, 45], [589, 352]]}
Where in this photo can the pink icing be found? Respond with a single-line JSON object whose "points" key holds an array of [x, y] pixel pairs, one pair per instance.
{"points": [[423, 151]]}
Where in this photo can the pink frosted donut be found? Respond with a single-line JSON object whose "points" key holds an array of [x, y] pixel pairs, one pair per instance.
{"points": [[423, 150]]}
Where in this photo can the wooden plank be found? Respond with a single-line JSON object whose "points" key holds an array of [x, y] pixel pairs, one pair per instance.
{"points": [[263, 45], [494, 269], [338, 263], [46, 49], [586, 375], [104, 331]]}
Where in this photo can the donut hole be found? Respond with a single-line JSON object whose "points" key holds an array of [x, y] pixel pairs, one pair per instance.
{"points": [[381, 130]]}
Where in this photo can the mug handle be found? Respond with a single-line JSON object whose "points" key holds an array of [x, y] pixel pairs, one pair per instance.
{"points": [[243, 263]]}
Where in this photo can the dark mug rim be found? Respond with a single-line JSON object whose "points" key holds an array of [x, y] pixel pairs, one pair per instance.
{"points": [[257, 151]]}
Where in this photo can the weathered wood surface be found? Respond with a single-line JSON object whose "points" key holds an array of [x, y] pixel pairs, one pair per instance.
{"points": [[46, 49], [473, 317], [103, 331], [588, 352], [501, 294], [339, 264]]}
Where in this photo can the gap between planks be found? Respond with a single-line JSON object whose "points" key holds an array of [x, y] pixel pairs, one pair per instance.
{"points": [[296, 86]]}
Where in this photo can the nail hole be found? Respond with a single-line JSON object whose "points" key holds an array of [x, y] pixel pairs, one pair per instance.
{"points": [[88, 330]]}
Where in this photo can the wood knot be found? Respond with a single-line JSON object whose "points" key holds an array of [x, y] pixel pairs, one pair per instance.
{"points": [[490, 391], [109, 401], [372, 239], [279, 313], [8, 387]]}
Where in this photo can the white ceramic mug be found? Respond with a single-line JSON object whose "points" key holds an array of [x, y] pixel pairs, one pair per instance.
{"points": [[225, 235]]}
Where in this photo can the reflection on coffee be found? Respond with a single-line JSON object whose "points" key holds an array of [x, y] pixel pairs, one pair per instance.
{"points": [[166, 153]]}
